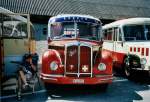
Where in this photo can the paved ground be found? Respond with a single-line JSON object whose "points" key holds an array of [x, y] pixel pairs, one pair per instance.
{"points": [[121, 90]]}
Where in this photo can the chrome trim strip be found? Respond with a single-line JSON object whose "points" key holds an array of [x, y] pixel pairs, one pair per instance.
{"points": [[85, 44], [78, 61], [103, 75], [49, 75], [77, 73], [49, 78], [75, 43], [91, 61], [106, 79], [65, 60]]}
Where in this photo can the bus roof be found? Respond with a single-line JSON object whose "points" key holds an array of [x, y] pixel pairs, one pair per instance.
{"points": [[129, 21], [74, 17], [17, 17]]}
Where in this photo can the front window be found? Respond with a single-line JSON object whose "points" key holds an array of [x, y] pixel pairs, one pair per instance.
{"points": [[136, 32], [88, 31], [67, 30]]}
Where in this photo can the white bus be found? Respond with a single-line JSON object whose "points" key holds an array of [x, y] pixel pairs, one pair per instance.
{"points": [[128, 41]]}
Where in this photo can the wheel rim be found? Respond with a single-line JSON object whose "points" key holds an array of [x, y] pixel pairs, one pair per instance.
{"points": [[127, 68], [127, 71]]}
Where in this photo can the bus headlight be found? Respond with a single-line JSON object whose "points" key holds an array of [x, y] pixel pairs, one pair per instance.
{"points": [[53, 66], [143, 61], [101, 67]]}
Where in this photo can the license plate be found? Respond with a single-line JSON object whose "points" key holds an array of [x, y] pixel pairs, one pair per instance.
{"points": [[78, 81]]}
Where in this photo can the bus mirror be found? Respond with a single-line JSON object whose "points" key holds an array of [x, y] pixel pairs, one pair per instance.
{"points": [[101, 39], [49, 40]]}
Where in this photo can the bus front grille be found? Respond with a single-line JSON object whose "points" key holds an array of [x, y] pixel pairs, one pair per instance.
{"points": [[78, 60]]}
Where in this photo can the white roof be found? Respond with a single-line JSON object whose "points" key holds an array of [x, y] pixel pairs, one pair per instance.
{"points": [[18, 17], [74, 15], [129, 21]]}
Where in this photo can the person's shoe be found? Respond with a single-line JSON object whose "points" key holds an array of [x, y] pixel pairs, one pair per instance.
{"points": [[26, 86]]}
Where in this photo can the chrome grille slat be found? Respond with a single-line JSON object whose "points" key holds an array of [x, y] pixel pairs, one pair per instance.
{"points": [[78, 61]]}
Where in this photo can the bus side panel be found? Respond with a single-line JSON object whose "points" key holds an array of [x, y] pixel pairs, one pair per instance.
{"points": [[14, 49], [108, 48], [33, 46]]}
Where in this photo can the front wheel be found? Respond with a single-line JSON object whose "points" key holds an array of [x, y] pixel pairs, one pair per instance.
{"points": [[127, 69]]}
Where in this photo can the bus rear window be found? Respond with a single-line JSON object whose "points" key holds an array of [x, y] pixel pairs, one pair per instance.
{"points": [[13, 26]]}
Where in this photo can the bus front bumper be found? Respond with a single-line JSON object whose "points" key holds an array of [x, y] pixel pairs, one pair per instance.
{"points": [[60, 79]]}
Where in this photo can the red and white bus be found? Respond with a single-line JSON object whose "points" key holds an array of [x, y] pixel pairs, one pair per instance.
{"points": [[74, 52], [128, 41]]}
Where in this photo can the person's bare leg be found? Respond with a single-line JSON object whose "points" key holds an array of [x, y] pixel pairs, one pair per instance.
{"points": [[23, 77]]}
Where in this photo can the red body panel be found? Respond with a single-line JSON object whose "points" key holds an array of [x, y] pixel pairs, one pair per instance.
{"points": [[57, 53], [117, 57]]}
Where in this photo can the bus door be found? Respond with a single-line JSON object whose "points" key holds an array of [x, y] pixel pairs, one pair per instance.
{"points": [[108, 44], [15, 37], [118, 46]]}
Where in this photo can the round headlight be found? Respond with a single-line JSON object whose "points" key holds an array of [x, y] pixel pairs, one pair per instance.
{"points": [[143, 61], [102, 67], [53, 66]]}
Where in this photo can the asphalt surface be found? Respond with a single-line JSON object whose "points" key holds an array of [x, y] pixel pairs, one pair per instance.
{"points": [[121, 90]]}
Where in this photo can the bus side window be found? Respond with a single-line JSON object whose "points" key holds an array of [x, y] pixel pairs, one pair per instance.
{"points": [[147, 30], [22, 29], [110, 33], [117, 34], [107, 34], [120, 34]]}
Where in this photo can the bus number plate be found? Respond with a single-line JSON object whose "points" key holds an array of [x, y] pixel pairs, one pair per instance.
{"points": [[78, 81]]}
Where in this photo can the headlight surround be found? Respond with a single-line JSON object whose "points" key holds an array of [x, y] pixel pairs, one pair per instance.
{"points": [[102, 67], [53, 66], [143, 61]]}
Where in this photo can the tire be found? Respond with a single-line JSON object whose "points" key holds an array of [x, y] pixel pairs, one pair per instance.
{"points": [[127, 69]]}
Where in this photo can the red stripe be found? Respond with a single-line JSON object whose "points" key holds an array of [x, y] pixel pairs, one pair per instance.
{"points": [[134, 49], [147, 51], [138, 49], [142, 53], [130, 49]]}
